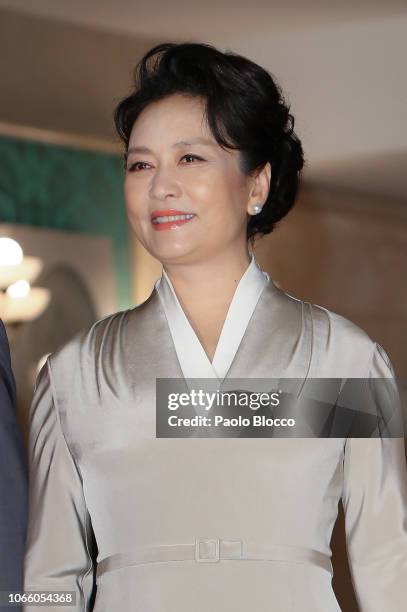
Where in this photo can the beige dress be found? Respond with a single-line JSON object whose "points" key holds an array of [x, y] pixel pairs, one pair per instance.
{"points": [[207, 524]]}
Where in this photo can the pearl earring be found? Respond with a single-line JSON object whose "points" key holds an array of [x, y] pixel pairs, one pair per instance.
{"points": [[256, 209]]}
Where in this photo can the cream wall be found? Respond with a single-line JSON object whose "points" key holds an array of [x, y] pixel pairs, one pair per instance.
{"points": [[347, 252]]}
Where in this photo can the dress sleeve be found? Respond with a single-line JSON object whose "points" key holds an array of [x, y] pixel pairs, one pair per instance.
{"points": [[57, 553], [374, 498]]}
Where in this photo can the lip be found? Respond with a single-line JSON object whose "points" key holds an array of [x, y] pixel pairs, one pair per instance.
{"points": [[170, 225], [168, 212]]}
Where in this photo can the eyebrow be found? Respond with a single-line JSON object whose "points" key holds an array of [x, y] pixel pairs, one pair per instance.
{"points": [[180, 143]]}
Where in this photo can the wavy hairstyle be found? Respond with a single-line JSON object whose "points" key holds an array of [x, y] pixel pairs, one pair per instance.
{"points": [[244, 107]]}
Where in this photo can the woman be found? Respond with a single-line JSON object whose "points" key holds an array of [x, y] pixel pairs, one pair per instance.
{"points": [[224, 524]]}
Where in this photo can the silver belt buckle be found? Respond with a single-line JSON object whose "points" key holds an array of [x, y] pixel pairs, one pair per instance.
{"points": [[207, 550]]}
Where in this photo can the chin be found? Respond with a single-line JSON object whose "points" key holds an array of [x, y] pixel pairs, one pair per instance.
{"points": [[179, 255]]}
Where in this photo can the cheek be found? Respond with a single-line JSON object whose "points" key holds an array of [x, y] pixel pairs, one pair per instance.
{"points": [[133, 200], [214, 190], [200, 191], [133, 197], [130, 191], [220, 197]]}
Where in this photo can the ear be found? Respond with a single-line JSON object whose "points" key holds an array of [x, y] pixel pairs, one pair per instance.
{"points": [[261, 186]]}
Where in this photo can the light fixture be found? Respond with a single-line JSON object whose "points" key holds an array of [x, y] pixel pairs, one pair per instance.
{"points": [[19, 301]]}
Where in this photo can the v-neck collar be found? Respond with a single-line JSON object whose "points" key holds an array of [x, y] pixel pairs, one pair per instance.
{"points": [[192, 357]]}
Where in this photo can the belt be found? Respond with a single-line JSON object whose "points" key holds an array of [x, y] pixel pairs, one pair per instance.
{"points": [[212, 550]]}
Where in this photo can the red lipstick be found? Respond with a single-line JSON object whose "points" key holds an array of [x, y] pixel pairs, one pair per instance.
{"points": [[160, 224]]}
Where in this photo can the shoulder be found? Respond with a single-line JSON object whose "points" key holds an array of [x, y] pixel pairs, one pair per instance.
{"points": [[94, 359], [340, 347], [346, 348], [328, 326], [338, 329], [103, 336], [70, 363]]}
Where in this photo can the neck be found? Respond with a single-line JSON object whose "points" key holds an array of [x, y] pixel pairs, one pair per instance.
{"points": [[208, 286]]}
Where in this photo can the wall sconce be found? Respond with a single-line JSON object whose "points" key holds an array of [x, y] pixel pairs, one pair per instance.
{"points": [[19, 301]]}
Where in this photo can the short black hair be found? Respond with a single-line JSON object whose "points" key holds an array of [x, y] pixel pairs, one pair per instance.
{"points": [[244, 107]]}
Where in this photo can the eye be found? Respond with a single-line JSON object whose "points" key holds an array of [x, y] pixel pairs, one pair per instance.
{"points": [[193, 156], [135, 166]]}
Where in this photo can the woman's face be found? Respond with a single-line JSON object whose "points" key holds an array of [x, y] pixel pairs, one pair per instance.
{"points": [[168, 172]]}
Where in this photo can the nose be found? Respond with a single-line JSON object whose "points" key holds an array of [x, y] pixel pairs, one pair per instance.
{"points": [[163, 184]]}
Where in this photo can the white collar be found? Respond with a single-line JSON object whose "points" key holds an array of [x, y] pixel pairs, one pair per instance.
{"points": [[193, 360]]}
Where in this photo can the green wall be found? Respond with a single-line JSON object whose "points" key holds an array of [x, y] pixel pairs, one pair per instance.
{"points": [[66, 188]]}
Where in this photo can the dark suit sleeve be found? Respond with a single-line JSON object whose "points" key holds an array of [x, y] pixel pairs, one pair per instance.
{"points": [[13, 479]]}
